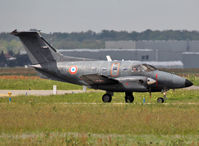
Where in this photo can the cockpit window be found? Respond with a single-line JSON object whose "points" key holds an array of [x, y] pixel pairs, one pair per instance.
{"points": [[143, 68]]}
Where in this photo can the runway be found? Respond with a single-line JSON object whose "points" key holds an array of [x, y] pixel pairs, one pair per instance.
{"points": [[4, 93], [192, 88], [123, 103]]}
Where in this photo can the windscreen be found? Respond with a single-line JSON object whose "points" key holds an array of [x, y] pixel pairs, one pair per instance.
{"points": [[143, 68]]}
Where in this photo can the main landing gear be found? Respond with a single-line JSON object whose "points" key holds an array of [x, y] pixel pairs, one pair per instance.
{"points": [[129, 98], [107, 97]]}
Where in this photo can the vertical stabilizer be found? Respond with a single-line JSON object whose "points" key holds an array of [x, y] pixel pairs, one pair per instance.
{"points": [[39, 50]]}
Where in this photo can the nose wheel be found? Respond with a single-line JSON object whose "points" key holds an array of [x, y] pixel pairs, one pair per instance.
{"points": [[129, 98], [162, 99]]}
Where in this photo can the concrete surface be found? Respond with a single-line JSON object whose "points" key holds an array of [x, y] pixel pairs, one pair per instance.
{"points": [[4, 93]]}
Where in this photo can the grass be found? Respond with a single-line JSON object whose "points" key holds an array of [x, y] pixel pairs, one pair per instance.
{"points": [[177, 96], [26, 78], [69, 120], [100, 119], [193, 78], [33, 83], [96, 139], [52, 120], [95, 124], [17, 71]]}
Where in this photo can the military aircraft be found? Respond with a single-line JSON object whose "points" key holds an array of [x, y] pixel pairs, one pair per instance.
{"points": [[111, 76]]}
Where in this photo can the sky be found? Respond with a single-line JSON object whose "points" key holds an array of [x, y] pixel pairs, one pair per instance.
{"points": [[82, 15]]}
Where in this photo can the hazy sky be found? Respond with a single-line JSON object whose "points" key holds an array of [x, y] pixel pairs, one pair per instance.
{"points": [[96, 15]]}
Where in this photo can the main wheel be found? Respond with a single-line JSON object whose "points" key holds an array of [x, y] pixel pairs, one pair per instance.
{"points": [[129, 98], [106, 98], [160, 100]]}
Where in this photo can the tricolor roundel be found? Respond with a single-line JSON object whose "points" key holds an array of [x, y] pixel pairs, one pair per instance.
{"points": [[73, 70]]}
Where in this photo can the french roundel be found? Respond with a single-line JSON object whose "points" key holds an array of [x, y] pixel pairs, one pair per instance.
{"points": [[73, 70]]}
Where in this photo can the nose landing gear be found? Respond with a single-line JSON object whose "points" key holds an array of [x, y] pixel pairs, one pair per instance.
{"points": [[162, 99]]}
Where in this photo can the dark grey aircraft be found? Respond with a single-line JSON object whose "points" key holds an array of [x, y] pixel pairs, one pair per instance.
{"points": [[111, 76]]}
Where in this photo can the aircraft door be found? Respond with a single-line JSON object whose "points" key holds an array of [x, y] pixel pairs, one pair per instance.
{"points": [[115, 69]]}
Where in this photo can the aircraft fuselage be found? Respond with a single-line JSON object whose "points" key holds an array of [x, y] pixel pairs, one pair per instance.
{"points": [[131, 79]]}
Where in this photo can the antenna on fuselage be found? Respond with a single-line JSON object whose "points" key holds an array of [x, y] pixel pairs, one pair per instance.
{"points": [[108, 58]]}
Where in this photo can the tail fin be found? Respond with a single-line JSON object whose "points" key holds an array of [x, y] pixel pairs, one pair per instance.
{"points": [[39, 50]]}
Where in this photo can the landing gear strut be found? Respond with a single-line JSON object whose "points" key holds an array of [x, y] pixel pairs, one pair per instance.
{"points": [[107, 97], [129, 98]]}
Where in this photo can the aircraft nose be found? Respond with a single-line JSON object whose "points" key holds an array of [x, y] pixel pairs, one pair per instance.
{"points": [[188, 83]]}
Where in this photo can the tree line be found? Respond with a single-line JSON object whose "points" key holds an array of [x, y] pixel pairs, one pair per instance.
{"points": [[91, 39], [11, 47]]}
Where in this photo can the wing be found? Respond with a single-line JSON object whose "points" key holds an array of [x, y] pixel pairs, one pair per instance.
{"points": [[95, 79]]}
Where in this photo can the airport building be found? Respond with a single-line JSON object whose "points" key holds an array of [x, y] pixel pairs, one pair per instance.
{"points": [[164, 50], [144, 55], [169, 54], [116, 54]]}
